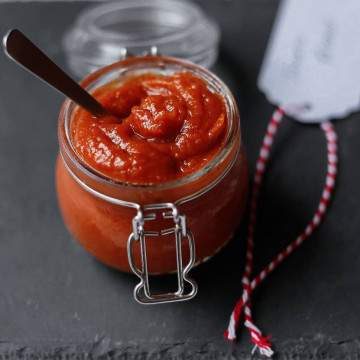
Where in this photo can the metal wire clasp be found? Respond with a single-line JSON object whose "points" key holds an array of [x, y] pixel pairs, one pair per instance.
{"points": [[142, 293]]}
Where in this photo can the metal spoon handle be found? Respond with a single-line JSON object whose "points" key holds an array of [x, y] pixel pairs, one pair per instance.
{"points": [[19, 48]]}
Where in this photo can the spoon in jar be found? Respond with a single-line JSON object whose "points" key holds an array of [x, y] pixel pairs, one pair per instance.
{"points": [[20, 49]]}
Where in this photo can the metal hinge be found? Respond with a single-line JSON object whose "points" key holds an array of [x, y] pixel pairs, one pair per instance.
{"points": [[142, 293]]}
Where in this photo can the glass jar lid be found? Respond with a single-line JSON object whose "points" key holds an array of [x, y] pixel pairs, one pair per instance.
{"points": [[106, 33]]}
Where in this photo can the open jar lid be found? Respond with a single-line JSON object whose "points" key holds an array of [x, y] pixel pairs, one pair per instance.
{"points": [[106, 33]]}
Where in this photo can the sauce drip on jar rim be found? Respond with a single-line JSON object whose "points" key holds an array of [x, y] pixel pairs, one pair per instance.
{"points": [[165, 127]]}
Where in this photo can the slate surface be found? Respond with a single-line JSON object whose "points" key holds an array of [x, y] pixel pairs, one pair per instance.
{"points": [[56, 301]]}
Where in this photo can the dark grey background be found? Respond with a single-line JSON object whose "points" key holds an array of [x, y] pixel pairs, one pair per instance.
{"points": [[56, 300]]}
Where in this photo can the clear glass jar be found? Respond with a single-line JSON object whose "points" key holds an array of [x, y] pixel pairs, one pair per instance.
{"points": [[212, 199], [106, 33]]}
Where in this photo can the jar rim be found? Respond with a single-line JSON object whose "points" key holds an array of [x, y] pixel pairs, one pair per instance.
{"points": [[160, 61]]}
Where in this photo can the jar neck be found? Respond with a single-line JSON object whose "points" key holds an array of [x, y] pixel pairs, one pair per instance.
{"points": [[177, 191]]}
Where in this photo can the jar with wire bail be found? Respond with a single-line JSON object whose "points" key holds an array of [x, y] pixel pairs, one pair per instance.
{"points": [[154, 228]]}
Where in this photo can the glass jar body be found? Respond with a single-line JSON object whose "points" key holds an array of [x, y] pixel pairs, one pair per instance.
{"points": [[103, 228]]}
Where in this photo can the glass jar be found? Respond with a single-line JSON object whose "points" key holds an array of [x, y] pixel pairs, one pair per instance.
{"points": [[108, 217], [106, 33]]}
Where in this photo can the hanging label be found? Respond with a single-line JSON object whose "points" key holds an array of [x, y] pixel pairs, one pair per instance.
{"points": [[313, 59]]}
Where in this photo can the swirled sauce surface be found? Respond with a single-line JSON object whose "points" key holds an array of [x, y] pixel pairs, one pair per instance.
{"points": [[165, 127]]}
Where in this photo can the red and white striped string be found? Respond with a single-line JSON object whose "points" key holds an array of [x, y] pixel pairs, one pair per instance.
{"points": [[244, 303]]}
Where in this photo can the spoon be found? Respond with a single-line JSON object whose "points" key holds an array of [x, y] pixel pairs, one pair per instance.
{"points": [[20, 49]]}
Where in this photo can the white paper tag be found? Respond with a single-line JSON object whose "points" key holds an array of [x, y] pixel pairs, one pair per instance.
{"points": [[313, 59]]}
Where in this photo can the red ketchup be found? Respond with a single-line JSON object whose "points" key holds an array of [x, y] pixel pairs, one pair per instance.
{"points": [[169, 138], [164, 127]]}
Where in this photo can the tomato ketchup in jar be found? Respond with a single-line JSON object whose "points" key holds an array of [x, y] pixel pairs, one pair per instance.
{"points": [[161, 185]]}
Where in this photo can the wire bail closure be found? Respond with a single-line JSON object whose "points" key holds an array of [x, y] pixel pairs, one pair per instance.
{"points": [[152, 51], [142, 293]]}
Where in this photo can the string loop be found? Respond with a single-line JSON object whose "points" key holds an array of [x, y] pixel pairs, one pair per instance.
{"points": [[243, 305]]}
